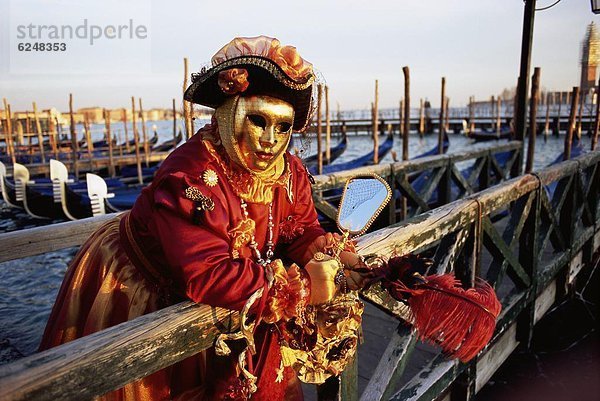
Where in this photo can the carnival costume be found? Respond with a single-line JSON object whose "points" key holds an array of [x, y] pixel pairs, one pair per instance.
{"points": [[228, 221]]}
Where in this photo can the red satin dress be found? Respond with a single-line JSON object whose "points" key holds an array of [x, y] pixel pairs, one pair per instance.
{"points": [[166, 250]]}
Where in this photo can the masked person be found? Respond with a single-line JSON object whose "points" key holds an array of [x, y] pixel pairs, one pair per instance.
{"points": [[228, 221]]}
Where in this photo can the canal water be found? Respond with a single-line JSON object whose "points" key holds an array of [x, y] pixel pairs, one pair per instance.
{"points": [[28, 287]]}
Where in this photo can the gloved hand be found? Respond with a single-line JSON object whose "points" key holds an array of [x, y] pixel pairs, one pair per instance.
{"points": [[322, 271]]}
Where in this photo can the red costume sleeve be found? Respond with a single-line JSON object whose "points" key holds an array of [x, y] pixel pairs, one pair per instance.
{"points": [[199, 255]]}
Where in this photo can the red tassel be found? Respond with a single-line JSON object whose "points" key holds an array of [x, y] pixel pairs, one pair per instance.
{"points": [[460, 321]]}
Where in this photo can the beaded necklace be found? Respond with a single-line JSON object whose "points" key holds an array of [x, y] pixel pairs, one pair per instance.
{"points": [[252, 244]]}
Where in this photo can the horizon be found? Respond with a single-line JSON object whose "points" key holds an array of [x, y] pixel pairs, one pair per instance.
{"points": [[474, 44]]}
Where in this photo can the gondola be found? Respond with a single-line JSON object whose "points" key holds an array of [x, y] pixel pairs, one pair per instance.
{"points": [[361, 161], [490, 135], [152, 141], [168, 144], [311, 162]]}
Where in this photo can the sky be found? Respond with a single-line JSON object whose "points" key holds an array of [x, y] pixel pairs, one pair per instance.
{"points": [[475, 44]]}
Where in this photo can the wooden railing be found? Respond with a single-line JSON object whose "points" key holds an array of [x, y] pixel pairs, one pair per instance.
{"points": [[519, 222], [428, 181]]}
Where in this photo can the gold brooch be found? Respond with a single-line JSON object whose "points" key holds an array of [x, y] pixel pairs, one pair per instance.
{"points": [[204, 202], [319, 256], [210, 178]]}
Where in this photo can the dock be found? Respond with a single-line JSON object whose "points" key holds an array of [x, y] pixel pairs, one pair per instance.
{"points": [[530, 235]]}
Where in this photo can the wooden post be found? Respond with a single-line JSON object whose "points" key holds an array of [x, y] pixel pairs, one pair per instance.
{"points": [[492, 110], [560, 101], [401, 119], [144, 135], [187, 106], [597, 120], [581, 104], [327, 127], [471, 115], [88, 139], [136, 142], [376, 124], [52, 135], [111, 163], [174, 125], [406, 72], [74, 144], [9, 132], [421, 118], [533, 102], [319, 133], [447, 123], [125, 129], [38, 129], [498, 116], [571, 127], [547, 123], [442, 119]]}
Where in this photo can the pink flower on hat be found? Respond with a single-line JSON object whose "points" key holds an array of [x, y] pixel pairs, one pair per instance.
{"points": [[286, 57], [233, 81]]}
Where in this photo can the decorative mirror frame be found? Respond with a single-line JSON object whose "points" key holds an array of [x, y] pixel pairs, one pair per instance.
{"points": [[375, 214]]}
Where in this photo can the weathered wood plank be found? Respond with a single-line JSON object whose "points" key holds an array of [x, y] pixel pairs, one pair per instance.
{"points": [[391, 365], [93, 365], [495, 356], [544, 301]]}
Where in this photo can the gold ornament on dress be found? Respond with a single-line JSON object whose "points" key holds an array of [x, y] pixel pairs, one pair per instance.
{"points": [[210, 177], [204, 202]]}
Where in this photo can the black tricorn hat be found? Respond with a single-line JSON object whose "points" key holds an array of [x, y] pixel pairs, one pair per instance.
{"points": [[256, 66]]}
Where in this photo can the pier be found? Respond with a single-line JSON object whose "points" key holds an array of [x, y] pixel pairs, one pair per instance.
{"points": [[530, 235]]}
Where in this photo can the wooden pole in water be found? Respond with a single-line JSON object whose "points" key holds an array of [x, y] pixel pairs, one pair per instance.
{"points": [[596, 126], [547, 122], [52, 135], [581, 104], [376, 124], [401, 120], [187, 106], [88, 139], [125, 129], [74, 144], [421, 118], [319, 133], [447, 106], [441, 124], [571, 127], [111, 163], [533, 102], [38, 129], [492, 110], [498, 116], [406, 72], [174, 124], [471, 115], [136, 141], [560, 101], [144, 135], [9, 132], [327, 127]]}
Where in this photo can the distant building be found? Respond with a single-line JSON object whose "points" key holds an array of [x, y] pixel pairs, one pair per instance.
{"points": [[590, 57], [93, 114]]}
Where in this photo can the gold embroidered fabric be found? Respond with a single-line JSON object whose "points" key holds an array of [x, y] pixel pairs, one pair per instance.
{"points": [[241, 235], [322, 342], [250, 187]]}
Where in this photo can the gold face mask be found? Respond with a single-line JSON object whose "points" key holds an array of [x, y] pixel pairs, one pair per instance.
{"points": [[256, 131]]}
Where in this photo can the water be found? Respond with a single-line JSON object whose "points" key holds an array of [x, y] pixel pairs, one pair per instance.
{"points": [[28, 286]]}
